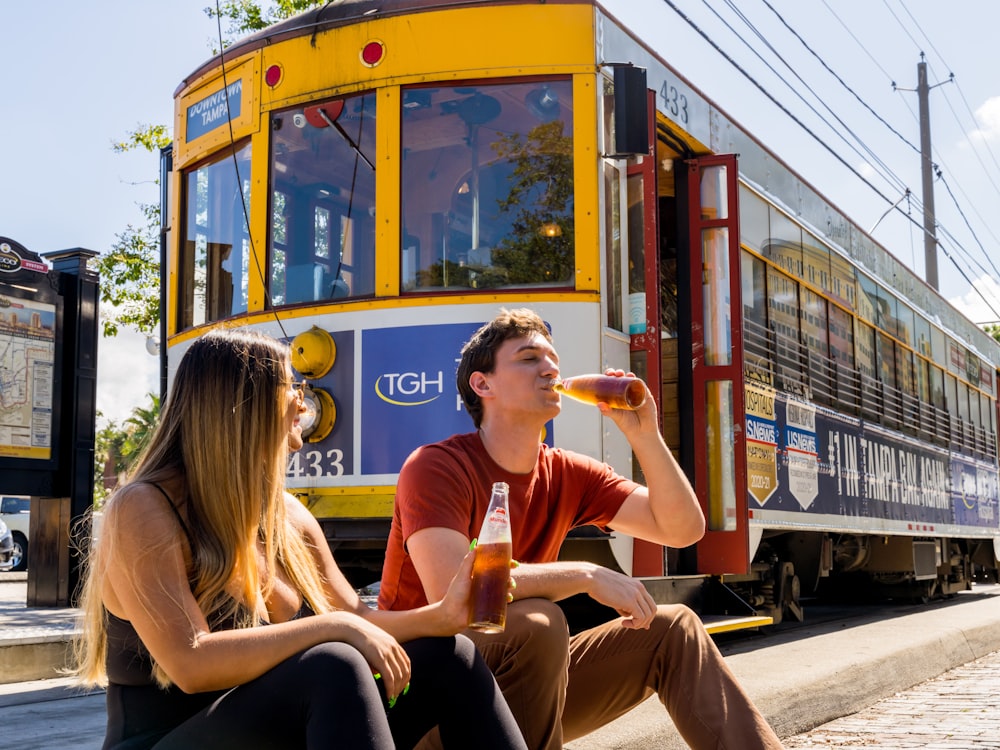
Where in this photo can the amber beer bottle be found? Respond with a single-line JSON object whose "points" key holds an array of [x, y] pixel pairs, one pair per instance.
{"points": [[617, 392], [491, 567]]}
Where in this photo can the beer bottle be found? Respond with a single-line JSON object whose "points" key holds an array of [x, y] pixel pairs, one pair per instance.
{"points": [[491, 567], [617, 392]]}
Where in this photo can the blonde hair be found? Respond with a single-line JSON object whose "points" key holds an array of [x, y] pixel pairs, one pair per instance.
{"points": [[222, 431]]}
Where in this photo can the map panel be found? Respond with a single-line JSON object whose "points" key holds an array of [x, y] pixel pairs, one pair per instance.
{"points": [[27, 369]]}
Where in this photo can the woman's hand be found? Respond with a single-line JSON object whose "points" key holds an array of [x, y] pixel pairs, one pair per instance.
{"points": [[454, 607], [382, 652], [456, 603]]}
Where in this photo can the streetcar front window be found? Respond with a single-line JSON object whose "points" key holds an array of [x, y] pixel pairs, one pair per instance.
{"points": [[216, 250], [322, 234], [487, 186]]}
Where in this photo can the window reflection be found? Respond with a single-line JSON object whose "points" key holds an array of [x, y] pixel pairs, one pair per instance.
{"points": [[322, 238], [487, 186], [215, 253]]}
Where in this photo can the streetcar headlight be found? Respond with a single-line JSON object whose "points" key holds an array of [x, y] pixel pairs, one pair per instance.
{"points": [[313, 352], [320, 415]]}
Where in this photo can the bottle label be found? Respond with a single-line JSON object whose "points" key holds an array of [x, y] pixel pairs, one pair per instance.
{"points": [[498, 517]]}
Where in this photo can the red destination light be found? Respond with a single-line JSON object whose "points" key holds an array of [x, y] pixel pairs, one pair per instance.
{"points": [[372, 53], [272, 77]]}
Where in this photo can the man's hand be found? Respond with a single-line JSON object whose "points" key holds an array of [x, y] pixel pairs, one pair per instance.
{"points": [[624, 594]]}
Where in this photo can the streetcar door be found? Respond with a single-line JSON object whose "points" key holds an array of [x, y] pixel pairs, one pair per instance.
{"points": [[709, 259]]}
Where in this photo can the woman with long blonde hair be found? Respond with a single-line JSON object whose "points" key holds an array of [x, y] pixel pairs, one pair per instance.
{"points": [[216, 615]]}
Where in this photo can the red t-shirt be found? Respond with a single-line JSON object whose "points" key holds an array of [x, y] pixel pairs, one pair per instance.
{"points": [[448, 484]]}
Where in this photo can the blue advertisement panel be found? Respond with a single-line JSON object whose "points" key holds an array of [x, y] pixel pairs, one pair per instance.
{"points": [[408, 395], [826, 463]]}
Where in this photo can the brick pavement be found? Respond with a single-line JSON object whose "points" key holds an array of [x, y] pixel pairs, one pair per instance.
{"points": [[960, 710]]}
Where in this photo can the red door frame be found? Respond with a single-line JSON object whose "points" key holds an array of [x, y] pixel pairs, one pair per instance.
{"points": [[719, 551], [647, 557]]}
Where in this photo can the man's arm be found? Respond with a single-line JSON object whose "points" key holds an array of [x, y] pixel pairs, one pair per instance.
{"points": [[666, 511], [437, 553]]}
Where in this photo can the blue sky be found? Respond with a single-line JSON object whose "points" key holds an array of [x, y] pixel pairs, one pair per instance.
{"points": [[81, 75]]}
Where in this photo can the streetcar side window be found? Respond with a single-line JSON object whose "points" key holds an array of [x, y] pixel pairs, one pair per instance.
{"points": [[816, 262], [322, 234], [864, 347], [842, 338], [215, 252], [487, 186], [753, 220]]}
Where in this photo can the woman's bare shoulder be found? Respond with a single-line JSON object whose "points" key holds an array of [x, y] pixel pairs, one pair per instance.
{"points": [[296, 512], [139, 504]]}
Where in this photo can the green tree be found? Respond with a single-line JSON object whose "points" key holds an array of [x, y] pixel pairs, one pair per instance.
{"points": [[246, 16], [130, 270], [139, 427], [993, 330], [117, 447], [108, 459]]}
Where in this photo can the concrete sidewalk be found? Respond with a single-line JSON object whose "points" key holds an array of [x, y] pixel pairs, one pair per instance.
{"points": [[33, 640], [809, 676], [800, 678]]}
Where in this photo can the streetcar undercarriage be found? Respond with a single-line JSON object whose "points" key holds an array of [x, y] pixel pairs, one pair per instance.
{"points": [[789, 569]]}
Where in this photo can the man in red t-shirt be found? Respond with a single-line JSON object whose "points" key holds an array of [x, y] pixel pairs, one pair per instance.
{"points": [[558, 686]]}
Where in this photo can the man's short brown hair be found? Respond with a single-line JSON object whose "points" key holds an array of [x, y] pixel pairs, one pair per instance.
{"points": [[479, 352]]}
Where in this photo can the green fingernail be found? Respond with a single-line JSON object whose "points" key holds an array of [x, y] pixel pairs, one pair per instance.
{"points": [[392, 702], [406, 689], [473, 545], [378, 675]]}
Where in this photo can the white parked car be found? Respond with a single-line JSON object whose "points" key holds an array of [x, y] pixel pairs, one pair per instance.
{"points": [[6, 548], [14, 512]]}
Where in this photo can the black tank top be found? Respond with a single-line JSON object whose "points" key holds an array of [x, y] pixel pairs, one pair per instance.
{"points": [[140, 712]]}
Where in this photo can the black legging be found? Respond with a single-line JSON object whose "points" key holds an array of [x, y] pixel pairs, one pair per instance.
{"points": [[326, 697]]}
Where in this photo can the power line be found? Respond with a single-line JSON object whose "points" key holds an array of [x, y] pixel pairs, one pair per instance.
{"points": [[869, 155], [840, 80], [888, 176]]}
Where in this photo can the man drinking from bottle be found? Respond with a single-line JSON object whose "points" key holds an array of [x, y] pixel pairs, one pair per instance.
{"points": [[558, 686]]}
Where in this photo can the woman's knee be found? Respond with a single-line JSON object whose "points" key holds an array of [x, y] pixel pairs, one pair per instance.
{"points": [[442, 654], [329, 662]]}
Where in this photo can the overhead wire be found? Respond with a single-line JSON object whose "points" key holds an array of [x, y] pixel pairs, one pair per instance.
{"points": [[889, 176], [972, 141], [961, 213], [968, 256], [840, 80], [239, 181], [869, 155], [791, 115]]}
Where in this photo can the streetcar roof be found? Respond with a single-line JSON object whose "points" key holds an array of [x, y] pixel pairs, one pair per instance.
{"points": [[343, 13]]}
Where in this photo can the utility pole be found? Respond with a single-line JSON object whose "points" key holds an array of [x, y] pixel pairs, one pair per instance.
{"points": [[927, 174], [927, 169]]}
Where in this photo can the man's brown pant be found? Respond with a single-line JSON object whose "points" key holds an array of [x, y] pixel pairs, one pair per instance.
{"points": [[561, 687]]}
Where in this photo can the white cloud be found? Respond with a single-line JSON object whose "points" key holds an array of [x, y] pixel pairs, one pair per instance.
{"points": [[972, 304], [866, 170], [126, 372], [988, 117]]}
